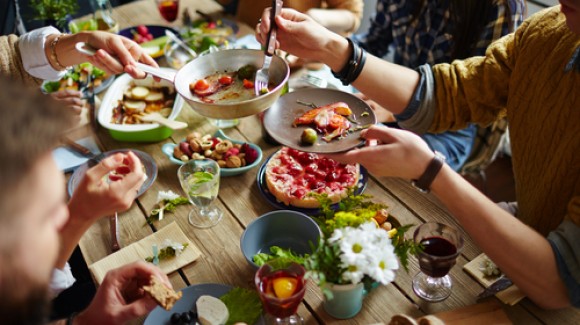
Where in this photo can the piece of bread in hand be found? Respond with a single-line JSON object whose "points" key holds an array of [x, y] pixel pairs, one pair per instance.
{"points": [[211, 311], [163, 295]]}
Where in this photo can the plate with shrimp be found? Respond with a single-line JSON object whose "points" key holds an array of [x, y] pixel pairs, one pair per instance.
{"points": [[319, 120]]}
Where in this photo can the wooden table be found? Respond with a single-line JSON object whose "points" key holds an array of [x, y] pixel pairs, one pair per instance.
{"points": [[241, 202]]}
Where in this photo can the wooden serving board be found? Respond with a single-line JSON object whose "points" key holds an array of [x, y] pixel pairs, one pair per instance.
{"points": [[489, 312]]}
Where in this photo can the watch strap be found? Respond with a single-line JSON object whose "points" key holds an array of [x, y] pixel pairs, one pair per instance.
{"points": [[423, 183]]}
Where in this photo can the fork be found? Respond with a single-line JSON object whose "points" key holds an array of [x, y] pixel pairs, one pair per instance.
{"points": [[262, 75]]}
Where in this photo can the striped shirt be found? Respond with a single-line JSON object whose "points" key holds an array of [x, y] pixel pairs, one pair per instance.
{"points": [[428, 39]]}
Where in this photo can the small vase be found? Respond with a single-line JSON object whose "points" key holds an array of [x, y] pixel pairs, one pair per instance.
{"points": [[347, 300]]}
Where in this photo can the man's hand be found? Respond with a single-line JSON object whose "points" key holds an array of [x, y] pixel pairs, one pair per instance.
{"points": [[97, 196], [120, 298], [391, 152]]}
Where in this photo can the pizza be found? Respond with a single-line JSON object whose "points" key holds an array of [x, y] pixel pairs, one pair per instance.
{"points": [[291, 176]]}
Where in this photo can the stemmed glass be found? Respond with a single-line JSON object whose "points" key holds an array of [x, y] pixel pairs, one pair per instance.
{"points": [[281, 287], [200, 180], [441, 246], [169, 9]]}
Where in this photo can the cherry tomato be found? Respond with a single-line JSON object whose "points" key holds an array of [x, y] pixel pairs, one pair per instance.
{"points": [[142, 30], [248, 84], [201, 84], [226, 80]]}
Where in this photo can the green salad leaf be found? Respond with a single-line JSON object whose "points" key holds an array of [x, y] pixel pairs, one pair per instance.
{"points": [[244, 306], [51, 86], [278, 253]]}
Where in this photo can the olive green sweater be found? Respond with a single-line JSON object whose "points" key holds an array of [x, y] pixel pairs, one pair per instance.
{"points": [[522, 77]]}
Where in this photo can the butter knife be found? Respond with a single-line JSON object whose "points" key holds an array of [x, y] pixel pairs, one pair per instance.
{"points": [[500, 284], [114, 229]]}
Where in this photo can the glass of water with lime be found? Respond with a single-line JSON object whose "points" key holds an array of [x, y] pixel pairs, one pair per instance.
{"points": [[200, 180]]}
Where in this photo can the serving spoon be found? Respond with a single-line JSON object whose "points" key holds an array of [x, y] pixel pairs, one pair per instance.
{"points": [[158, 118]]}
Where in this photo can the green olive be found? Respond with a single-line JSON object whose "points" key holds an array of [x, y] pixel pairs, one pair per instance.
{"points": [[309, 136]]}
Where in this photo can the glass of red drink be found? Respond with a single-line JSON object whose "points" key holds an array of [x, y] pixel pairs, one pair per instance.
{"points": [[169, 9], [281, 289], [441, 246]]}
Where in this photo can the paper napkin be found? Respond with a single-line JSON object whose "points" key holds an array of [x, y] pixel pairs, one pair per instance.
{"points": [[67, 159], [510, 296], [142, 249]]}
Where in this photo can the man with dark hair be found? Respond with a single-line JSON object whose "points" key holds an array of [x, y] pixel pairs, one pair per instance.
{"points": [[34, 215]]}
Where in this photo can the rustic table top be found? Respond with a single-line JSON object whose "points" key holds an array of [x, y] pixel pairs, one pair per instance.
{"points": [[241, 201]]}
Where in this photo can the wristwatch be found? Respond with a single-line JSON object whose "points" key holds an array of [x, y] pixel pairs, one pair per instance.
{"points": [[423, 184]]}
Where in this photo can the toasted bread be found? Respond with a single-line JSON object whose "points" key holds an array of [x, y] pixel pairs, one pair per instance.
{"points": [[163, 295]]}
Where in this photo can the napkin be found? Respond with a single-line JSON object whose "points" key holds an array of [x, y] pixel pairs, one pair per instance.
{"points": [[67, 159], [142, 249], [510, 296]]}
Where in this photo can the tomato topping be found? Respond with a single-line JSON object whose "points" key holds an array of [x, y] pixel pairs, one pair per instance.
{"points": [[226, 80], [201, 84], [299, 192], [248, 84]]}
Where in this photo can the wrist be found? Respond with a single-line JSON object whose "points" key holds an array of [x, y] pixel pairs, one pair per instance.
{"points": [[424, 182], [339, 52]]}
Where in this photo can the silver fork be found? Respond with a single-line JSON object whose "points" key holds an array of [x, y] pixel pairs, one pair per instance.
{"points": [[262, 75]]}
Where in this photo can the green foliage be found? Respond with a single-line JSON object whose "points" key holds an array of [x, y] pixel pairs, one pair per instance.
{"points": [[405, 247], [165, 253], [244, 306], [168, 206], [56, 10], [278, 253]]}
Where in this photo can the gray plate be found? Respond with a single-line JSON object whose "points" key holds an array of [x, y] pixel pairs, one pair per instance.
{"points": [[160, 316], [278, 119]]}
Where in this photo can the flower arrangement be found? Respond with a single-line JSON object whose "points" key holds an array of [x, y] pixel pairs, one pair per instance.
{"points": [[356, 245]]}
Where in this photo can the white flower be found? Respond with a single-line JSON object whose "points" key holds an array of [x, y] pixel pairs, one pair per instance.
{"points": [[353, 274], [354, 246], [384, 264], [166, 196], [178, 247]]}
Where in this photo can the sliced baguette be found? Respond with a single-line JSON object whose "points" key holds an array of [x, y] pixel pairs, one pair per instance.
{"points": [[211, 311]]}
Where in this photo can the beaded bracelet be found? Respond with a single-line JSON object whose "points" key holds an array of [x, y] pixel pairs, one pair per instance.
{"points": [[53, 53]]}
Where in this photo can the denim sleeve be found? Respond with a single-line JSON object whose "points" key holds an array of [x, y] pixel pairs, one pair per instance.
{"points": [[565, 241], [418, 115]]}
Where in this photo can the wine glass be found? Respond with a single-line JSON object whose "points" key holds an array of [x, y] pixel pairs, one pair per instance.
{"points": [[200, 180], [168, 9], [281, 287], [441, 246]]}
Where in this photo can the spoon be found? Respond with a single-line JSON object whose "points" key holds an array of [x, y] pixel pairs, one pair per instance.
{"points": [[158, 118], [180, 43]]}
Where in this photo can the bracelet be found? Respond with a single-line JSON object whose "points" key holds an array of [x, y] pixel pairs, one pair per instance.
{"points": [[353, 66], [53, 53]]}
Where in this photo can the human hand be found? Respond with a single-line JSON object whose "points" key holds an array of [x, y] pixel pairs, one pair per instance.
{"points": [[383, 115], [112, 49], [397, 153], [96, 197], [120, 298], [297, 34], [70, 98]]}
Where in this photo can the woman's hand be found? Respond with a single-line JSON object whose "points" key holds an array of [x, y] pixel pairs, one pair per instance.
{"points": [[391, 152], [120, 298]]}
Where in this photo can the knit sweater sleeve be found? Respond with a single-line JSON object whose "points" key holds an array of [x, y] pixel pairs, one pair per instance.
{"points": [[10, 60], [476, 89]]}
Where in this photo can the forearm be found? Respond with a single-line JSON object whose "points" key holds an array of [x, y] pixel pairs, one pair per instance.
{"points": [[71, 234], [337, 20], [521, 253]]}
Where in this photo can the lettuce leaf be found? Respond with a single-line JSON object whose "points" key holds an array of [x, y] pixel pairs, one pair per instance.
{"points": [[244, 306]]}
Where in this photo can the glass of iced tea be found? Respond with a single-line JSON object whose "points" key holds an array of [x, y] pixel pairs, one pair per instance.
{"points": [[441, 246], [281, 287], [169, 9]]}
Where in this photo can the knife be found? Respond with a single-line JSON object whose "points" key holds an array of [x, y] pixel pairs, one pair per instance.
{"points": [[500, 284], [114, 229]]}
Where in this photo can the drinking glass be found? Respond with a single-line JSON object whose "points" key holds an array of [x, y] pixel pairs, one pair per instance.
{"points": [[200, 180], [169, 9], [281, 287], [441, 246]]}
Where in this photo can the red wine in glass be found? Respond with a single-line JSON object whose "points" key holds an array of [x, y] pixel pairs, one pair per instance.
{"points": [[440, 247], [281, 290], [168, 9]]}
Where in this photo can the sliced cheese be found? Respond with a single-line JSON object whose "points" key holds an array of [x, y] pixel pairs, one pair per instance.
{"points": [[211, 311]]}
